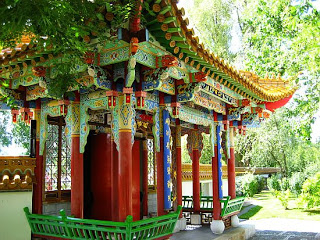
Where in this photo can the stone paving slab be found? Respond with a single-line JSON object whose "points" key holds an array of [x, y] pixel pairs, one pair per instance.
{"points": [[285, 229], [280, 235], [197, 232], [266, 229]]}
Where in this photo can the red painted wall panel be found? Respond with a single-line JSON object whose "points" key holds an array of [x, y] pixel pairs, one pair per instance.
{"points": [[136, 180], [101, 176]]}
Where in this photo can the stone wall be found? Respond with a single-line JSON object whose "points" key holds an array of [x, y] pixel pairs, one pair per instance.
{"points": [[54, 208], [152, 204]]}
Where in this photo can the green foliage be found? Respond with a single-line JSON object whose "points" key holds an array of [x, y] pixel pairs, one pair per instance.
{"points": [[296, 181], [282, 36], [206, 153], [184, 150], [213, 25], [284, 197], [261, 183], [19, 133], [273, 183], [5, 136], [249, 184], [253, 211], [284, 184], [310, 196], [276, 144], [62, 25]]}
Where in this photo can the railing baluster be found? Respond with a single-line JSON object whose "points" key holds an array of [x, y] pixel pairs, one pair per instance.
{"points": [[73, 228]]}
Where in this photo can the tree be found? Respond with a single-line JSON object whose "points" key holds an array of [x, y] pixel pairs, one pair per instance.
{"points": [[277, 37], [18, 133], [206, 153], [282, 36], [61, 27], [5, 136], [276, 144], [212, 21], [185, 154]]}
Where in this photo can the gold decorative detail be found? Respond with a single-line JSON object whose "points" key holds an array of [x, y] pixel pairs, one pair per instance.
{"points": [[16, 173]]}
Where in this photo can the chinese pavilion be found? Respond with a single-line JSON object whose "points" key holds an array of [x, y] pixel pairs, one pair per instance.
{"points": [[113, 147]]}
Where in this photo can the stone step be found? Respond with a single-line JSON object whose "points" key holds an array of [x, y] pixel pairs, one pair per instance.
{"points": [[243, 232]]}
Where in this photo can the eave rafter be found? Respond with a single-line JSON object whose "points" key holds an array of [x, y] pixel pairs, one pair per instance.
{"points": [[166, 23]]}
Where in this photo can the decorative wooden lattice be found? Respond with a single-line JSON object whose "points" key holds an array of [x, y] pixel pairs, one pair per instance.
{"points": [[58, 162], [152, 180], [52, 149]]}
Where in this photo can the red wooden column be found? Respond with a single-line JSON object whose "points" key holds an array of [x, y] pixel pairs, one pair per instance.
{"points": [[231, 165], [195, 170], [160, 175], [215, 176], [145, 178], [38, 186], [125, 157], [179, 163], [77, 196], [114, 181]]}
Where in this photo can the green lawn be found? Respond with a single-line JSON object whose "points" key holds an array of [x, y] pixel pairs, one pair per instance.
{"points": [[269, 206]]}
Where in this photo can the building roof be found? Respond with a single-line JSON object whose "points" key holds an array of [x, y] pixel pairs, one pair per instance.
{"points": [[183, 43], [167, 24]]}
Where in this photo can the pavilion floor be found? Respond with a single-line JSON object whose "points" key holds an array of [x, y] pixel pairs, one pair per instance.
{"points": [[198, 232]]}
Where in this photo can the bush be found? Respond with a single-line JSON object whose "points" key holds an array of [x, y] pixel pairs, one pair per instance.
{"points": [[239, 189], [283, 196], [296, 181], [310, 196], [273, 183], [249, 184], [284, 184], [261, 183]]}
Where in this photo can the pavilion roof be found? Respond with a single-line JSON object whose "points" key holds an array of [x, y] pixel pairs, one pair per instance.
{"points": [[184, 44], [170, 29]]}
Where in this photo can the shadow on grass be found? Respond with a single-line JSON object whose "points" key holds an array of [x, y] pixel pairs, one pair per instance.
{"points": [[253, 211], [312, 212], [261, 198]]}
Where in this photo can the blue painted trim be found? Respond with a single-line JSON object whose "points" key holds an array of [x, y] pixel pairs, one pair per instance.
{"points": [[166, 160], [219, 161]]}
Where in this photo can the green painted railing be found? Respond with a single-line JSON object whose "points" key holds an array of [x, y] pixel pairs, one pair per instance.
{"points": [[187, 202], [230, 206], [75, 228], [206, 203]]}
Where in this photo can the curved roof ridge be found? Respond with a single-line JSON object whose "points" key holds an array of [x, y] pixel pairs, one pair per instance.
{"points": [[249, 80]]}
